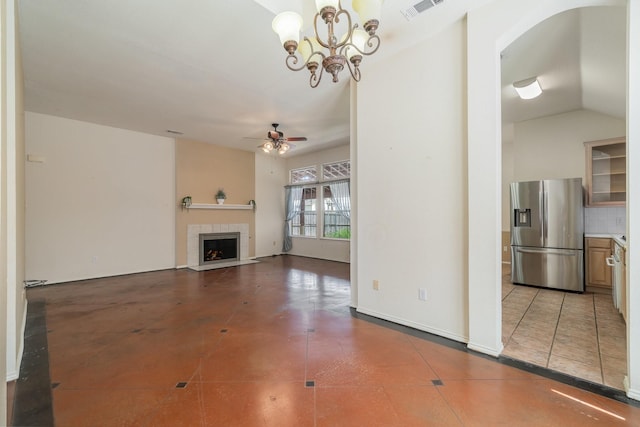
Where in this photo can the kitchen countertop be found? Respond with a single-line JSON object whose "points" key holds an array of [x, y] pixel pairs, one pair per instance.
{"points": [[616, 237]]}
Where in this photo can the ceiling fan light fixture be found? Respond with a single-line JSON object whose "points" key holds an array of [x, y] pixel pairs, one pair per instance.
{"points": [[528, 88], [267, 147]]}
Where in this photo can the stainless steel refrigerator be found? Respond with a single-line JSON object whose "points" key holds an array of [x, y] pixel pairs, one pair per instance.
{"points": [[547, 234]]}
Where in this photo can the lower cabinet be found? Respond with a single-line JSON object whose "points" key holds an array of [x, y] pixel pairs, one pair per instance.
{"points": [[598, 272]]}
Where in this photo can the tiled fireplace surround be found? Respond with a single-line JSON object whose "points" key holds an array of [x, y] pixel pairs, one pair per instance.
{"points": [[193, 239]]}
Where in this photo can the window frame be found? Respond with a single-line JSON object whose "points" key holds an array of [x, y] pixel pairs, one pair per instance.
{"points": [[319, 186]]}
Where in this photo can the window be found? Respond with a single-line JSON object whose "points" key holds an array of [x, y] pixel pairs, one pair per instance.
{"points": [[303, 175], [304, 224], [338, 170], [328, 202], [336, 222]]}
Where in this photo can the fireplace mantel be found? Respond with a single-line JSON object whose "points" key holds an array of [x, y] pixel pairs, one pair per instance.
{"points": [[218, 206]]}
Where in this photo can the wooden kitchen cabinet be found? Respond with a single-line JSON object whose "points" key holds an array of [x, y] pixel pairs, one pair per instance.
{"points": [[606, 172], [598, 272]]}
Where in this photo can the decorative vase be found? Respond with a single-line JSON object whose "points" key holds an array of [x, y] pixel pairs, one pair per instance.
{"points": [[220, 201]]}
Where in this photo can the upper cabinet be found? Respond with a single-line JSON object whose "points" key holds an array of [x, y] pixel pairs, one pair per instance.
{"points": [[606, 172]]}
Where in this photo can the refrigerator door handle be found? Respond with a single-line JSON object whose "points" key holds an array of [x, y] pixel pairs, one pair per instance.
{"points": [[545, 214], [546, 251]]}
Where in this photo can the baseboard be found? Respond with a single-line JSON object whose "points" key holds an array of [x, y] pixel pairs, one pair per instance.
{"points": [[414, 325], [484, 349], [15, 374]]}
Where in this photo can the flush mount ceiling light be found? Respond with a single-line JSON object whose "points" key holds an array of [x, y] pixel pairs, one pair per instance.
{"points": [[334, 51], [528, 88]]}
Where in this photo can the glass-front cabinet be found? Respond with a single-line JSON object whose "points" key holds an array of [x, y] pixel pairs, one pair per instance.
{"points": [[606, 172]]}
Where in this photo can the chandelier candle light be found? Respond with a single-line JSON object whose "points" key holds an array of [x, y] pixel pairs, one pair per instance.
{"points": [[333, 52]]}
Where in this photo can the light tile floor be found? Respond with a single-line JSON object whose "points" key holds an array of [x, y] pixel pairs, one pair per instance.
{"points": [[582, 335]]}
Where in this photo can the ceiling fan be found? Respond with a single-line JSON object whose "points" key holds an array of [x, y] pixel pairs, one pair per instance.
{"points": [[277, 141]]}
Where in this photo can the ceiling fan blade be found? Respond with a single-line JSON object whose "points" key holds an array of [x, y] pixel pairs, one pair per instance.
{"points": [[297, 138]]}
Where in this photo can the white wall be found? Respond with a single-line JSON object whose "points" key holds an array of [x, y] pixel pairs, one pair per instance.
{"points": [[101, 204], [507, 178], [271, 177], [552, 147], [633, 199], [331, 249], [411, 206]]}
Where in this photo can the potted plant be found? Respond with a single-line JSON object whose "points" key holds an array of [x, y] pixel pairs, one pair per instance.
{"points": [[221, 196]]}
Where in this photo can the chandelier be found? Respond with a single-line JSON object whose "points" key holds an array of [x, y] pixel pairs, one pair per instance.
{"points": [[332, 51]]}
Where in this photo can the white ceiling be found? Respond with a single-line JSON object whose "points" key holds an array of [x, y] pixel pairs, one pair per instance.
{"points": [[215, 70], [579, 57]]}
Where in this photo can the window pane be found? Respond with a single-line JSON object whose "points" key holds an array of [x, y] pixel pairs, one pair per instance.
{"points": [[336, 223], [302, 175], [336, 170], [304, 224]]}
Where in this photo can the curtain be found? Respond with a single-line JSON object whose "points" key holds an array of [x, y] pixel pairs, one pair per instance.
{"points": [[291, 196], [341, 198]]}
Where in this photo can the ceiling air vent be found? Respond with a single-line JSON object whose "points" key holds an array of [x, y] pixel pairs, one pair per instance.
{"points": [[420, 7]]}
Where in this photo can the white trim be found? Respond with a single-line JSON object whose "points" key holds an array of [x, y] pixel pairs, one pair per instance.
{"points": [[484, 350], [414, 325], [14, 374]]}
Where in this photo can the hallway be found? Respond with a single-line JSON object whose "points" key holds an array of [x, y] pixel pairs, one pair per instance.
{"points": [[275, 344]]}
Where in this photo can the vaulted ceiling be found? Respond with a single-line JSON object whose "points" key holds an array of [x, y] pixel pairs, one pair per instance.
{"points": [[215, 71]]}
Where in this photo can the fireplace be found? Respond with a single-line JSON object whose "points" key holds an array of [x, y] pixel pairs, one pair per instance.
{"points": [[219, 247], [194, 245]]}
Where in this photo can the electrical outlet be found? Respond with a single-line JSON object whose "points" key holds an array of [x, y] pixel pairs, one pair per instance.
{"points": [[422, 294], [619, 220], [376, 285], [504, 248]]}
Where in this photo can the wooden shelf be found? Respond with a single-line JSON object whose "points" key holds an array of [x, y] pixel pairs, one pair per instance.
{"points": [[606, 172], [217, 206]]}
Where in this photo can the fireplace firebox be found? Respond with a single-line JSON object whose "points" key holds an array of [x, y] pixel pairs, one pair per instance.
{"points": [[219, 247]]}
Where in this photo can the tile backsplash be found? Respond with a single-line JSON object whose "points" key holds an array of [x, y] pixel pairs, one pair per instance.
{"points": [[611, 220]]}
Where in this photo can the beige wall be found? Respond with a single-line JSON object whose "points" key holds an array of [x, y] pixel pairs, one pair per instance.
{"points": [[506, 246], [201, 169]]}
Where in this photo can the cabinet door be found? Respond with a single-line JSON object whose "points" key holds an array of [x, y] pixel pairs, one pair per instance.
{"points": [[598, 272], [606, 167]]}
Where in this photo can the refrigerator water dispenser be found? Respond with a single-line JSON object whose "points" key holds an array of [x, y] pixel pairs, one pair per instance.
{"points": [[522, 218]]}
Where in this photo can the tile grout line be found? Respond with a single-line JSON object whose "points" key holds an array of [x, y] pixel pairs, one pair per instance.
{"points": [[524, 313], [555, 330], [595, 318]]}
